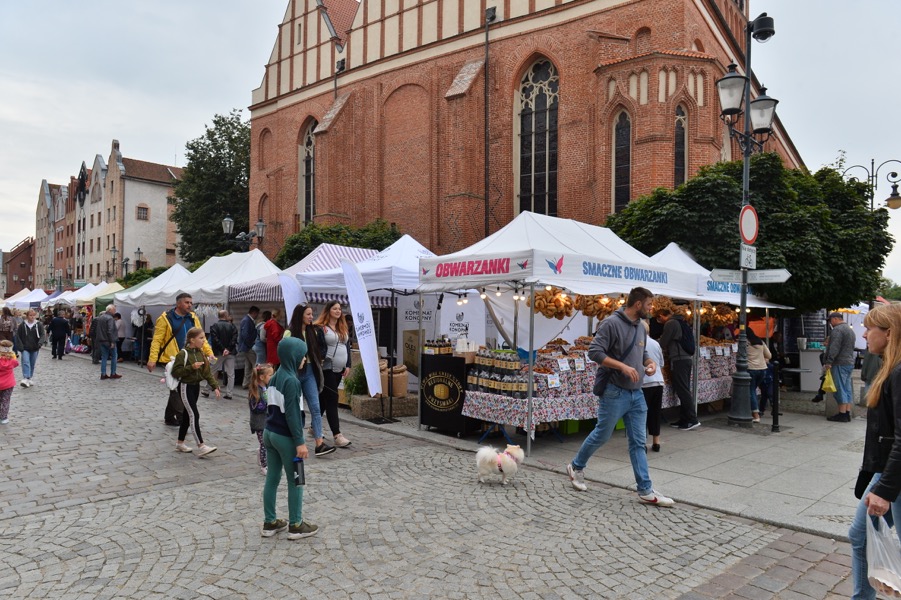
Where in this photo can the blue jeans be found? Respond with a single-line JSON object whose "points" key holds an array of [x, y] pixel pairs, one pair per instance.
{"points": [[858, 536], [107, 351], [841, 375], [757, 377], [311, 395], [29, 359], [629, 405]]}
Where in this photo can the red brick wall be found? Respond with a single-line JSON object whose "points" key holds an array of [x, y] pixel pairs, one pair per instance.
{"points": [[401, 151]]}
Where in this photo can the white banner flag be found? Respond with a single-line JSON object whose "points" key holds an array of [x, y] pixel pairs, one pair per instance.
{"points": [[363, 325], [292, 294]]}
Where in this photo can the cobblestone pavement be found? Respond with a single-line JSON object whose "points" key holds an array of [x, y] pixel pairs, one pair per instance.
{"points": [[95, 503]]}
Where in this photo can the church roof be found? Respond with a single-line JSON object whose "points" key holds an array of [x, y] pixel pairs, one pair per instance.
{"points": [[342, 13]]}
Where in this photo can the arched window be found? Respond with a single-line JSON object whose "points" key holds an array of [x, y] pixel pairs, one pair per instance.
{"points": [[680, 151], [306, 192], [265, 143], [538, 101], [622, 162]]}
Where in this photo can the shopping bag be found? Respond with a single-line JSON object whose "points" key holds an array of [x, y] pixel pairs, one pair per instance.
{"points": [[828, 384], [883, 558]]}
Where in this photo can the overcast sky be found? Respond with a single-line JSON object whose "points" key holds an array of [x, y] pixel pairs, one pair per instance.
{"points": [[76, 75]]}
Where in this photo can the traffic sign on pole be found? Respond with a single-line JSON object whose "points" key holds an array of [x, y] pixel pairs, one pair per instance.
{"points": [[748, 257], [748, 224], [769, 276], [726, 275]]}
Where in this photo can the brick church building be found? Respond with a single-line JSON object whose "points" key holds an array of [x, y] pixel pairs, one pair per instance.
{"points": [[381, 108]]}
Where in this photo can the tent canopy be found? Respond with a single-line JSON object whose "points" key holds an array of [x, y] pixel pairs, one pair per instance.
{"points": [[172, 276], [100, 290], [20, 294], [209, 284], [712, 291], [35, 296], [322, 258], [394, 268], [534, 248]]}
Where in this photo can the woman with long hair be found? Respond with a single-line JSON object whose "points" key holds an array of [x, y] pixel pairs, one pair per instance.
{"points": [[882, 446], [7, 324], [310, 371], [758, 355], [334, 345], [274, 332]]}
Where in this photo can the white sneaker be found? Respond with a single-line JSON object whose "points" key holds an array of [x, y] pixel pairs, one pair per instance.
{"points": [[203, 450], [577, 477], [182, 448], [656, 498], [4, 421]]}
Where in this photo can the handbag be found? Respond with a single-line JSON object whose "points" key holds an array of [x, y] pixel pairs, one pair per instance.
{"points": [[604, 374], [828, 383], [883, 558], [171, 381]]}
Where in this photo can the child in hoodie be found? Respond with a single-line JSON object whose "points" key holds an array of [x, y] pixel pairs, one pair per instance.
{"points": [[284, 440], [8, 362]]}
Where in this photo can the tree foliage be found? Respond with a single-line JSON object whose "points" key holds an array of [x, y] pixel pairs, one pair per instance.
{"points": [[214, 184], [889, 290], [818, 226], [377, 235]]}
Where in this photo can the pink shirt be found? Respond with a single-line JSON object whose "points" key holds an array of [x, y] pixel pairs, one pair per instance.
{"points": [[7, 376]]}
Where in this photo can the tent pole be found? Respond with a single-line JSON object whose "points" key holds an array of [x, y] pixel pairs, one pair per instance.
{"points": [[392, 351], [531, 370], [696, 327], [419, 337], [515, 324]]}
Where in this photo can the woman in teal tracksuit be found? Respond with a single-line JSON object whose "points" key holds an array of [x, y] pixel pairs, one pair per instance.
{"points": [[283, 439]]}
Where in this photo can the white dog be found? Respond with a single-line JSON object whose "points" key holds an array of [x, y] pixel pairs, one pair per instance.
{"points": [[491, 462]]}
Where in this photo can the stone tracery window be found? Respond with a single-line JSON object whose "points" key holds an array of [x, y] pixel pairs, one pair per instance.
{"points": [[680, 149], [622, 162], [538, 103], [307, 187]]}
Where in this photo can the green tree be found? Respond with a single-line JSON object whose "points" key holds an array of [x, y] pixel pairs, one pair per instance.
{"points": [[818, 226], [377, 235], [889, 290], [214, 183]]}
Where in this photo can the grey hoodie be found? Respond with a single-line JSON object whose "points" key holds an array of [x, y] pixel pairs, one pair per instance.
{"points": [[612, 338]]}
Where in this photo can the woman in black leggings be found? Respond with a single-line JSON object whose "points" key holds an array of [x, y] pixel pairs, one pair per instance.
{"points": [[334, 349]]}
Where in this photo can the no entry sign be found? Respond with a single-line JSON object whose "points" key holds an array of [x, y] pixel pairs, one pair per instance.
{"points": [[748, 224]]}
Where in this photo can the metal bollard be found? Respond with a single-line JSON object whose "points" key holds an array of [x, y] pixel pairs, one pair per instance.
{"points": [[775, 396]]}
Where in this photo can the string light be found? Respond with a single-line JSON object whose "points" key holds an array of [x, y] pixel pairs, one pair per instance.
{"points": [[498, 292], [483, 295], [548, 288]]}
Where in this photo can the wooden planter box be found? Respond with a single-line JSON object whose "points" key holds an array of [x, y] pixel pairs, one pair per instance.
{"points": [[364, 407]]}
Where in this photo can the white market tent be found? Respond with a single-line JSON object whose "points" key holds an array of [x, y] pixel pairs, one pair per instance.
{"points": [[209, 284], [537, 249], [167, 279], [20, 294], [712, 291], [71, 297], [394, 268], [100, 290], [322, 258], [35, 296]]}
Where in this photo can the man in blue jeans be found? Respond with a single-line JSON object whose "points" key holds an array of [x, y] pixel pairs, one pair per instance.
{"points": [[840, 361], [619, 347], [107, 335]]}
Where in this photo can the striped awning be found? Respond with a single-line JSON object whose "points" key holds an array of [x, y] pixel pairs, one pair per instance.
{"points": [[324, 257], [376, 301]]}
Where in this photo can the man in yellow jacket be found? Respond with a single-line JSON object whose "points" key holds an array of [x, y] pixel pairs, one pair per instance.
{"points": [[168, 340]]}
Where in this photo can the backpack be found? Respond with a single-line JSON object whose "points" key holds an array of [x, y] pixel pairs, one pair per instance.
{"points": [[171, 380], [687, 341]]}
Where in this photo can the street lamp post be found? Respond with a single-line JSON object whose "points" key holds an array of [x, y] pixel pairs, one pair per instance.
{"points": [[894, 200], [244, 240], [115, 254], [125, 267], [734, 91], [139, 258]]}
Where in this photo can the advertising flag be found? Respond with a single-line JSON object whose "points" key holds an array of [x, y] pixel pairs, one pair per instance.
{"points": [[363, 325]]}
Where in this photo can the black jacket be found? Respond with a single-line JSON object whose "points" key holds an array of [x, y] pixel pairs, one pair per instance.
{"points": [[29, 338], [223, 336], [882, 449], [59, 328]]}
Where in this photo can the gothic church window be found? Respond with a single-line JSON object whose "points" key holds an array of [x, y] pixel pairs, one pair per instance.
{"points": [[307, 188], [680, 151], [538, 103], [622, 162]]}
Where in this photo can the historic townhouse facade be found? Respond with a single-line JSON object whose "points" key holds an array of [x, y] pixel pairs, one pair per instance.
{"points": [[589, 104], [18, 267]]}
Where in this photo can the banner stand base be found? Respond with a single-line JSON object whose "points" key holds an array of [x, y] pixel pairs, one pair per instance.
{"points": [[382, 420]]}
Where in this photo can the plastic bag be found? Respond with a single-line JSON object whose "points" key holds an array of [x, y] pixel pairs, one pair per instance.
{"points": [[883, 558], [828, 383]]}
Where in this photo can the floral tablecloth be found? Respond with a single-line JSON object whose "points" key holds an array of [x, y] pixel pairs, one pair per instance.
{"points": [[495, 408], [709, 390]]}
